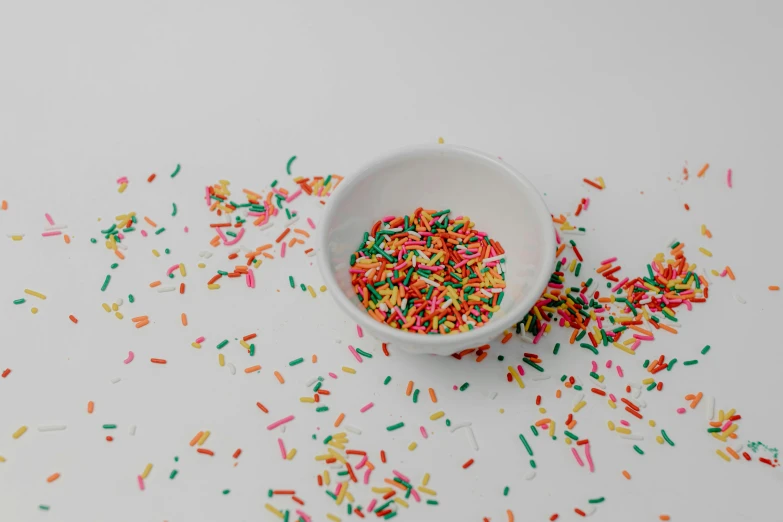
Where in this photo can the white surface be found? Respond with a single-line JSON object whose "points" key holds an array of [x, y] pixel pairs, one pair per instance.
{"points": [[447, 176], [94, 91]]}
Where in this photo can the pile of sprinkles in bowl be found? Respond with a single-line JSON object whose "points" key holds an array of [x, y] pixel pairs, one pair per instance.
{"points": [[428, 273]]}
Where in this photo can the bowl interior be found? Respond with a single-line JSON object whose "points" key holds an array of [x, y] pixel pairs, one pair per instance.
{"points": [[497, 199]]}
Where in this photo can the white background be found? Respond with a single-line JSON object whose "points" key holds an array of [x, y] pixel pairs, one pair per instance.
{"points": [[92, 91]]}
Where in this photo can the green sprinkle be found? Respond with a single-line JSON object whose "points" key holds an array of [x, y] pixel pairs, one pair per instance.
{"points": [[303, 287], [577, 387], [638, 449], [363, 353], [222, 344], [131, 298], [464, 387], [226, 491], [109, 426], [43, 507], [269, 493], [416, 395], [594, 375], [534, 430], [291, 281], [588, 347], [531, 363], [652, 386], [570, 435], [705, 350], [713, 430], [646, 363], [331, 494], [174, 210], [158, 232], [114, 265], [106, 283], [296, 361], [596, 500], [231, 233], [273, 183], [448, 422], [167, 251], [173, 473], [524, 441], [93, 240], [387, 380], [327, 439], [500, 357], [317, 386], [176, 171], [322, 408], [288, 165], [435, 502], [395, 426], [557, 348], [666, 438], [505, 491], [19, 301], [390, 515], [691, 362], [532, 463]]}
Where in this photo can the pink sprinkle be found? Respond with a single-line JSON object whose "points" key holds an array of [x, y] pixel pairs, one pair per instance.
{"points": [[611, 396], [681, 411], [332, 375], [538, 336], [619, 285], [280, 422], [723, 274], [310, 222], [366, 479], [610, 260], [520, 369], [367, 407], [282, 249], [401, 476], [51, 221], [362, 462], [415, 495], [186, 230], [200, 340], [141, 482], [635, 345], [51, 233], [304, 515], [338, 488], [545, 426], [455, 387], [171, 269], [589, 458], [577, 457], [143, 233], [724, 428], [120, 235], [728, 177], [359, 331], [595, 367], [129, 358], [250, 278], [619, 370], [371, 505], [609, 363], [235, 240], [354, 352], [643, 337], [282, 448], [557, 237], [625, 423], [294, 196], [423, 431]]}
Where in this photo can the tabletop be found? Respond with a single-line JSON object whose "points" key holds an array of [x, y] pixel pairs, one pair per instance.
{"points": [[97, 96]]}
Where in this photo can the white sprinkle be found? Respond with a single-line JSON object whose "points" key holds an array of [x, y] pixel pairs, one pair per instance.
{"points": [[706, 277], [538, 377], [55, 427], [311, 253], [132, 429], [484, 291], [116, 380], [525, 339], [631, 436], [574, 232], [311, 381], [493, 395], [234, 250], [642, 403], [446, 304], [121, 246], [429, 281], [589, 510], [293, 220], [710, 409], [637, 393], [352, 429], [383, 307], [56, 227], [455, 427], [119, 301], [245, 249], [472, 438], [413, 261], [265, 226], [232, 369], [205, 254], [414, 234], [530, 475], [739, 299], [738, 448], [404, 303], [162, 289], [496, 258], [598, 383], [579, 398]]}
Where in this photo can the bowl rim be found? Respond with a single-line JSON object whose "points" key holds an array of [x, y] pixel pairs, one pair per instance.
{"points": [[476, 336]]}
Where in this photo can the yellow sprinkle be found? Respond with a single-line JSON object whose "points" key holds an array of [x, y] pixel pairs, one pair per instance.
{"points": [[203, 438], [201, 265], [118, 315], [214, 286], [600, 378], [349, 497], [515, 374], [567, 441], [501, 410], [611, 425], [425, 480], [705, 251], [348, 369], [343, 491], [332, 517], [34, 310], [623, 348], [195, 345], [541, 410], [115, 307], [381, 491], [17, 238], [2, 459], [648, 381], [327, 480], [221, 360], [579, 406], [147, 470], [440, 141], [337, 456], [291, 454], [612, 404], [651, 423], [106, 307], [427, 491], [659, 439], [400, 502], [306, 399], [731, 429], [731, 413], [620, 429], [122, 188], [715, 272], [412, 446], [721, 416], [723, 455], [552, 429], [323, 288], [18, 433], [155, 253], [244, 344], [312, 292], [572, 265], [340, 436], [272, 509], [182, 270]]}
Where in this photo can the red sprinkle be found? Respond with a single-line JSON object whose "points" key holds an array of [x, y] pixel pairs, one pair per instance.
{"points": [[6, 372], [467, 464], [237, 453]]}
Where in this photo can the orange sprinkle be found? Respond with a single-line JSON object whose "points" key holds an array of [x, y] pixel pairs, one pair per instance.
{"points": [[432, 394], [774, 288], [703, 170], [732, 453], [142, 324], [237, 453], [215, 241], [314, 358], [696, 400], [4, 205], [279, 377], [664, 517], [151, 223], [626, 475], [139, 318], [282, 236], [154, 284], [667, 328], [409, 389], [67, 239], [118, 254], [262, 407], [90, 407], [292, 242], [184, 318], [206, 451], [506, 338], [52, 477], [543, 421], [730, 273], [251, 369], [158, 361], [339, 420], [510, 515], [303, 232], [73, 319], [195, 439], [558, 394], [152, 176], [182, 288]]}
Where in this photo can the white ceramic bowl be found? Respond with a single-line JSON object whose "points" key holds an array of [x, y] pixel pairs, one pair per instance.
{"points": [[498, 199]]}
